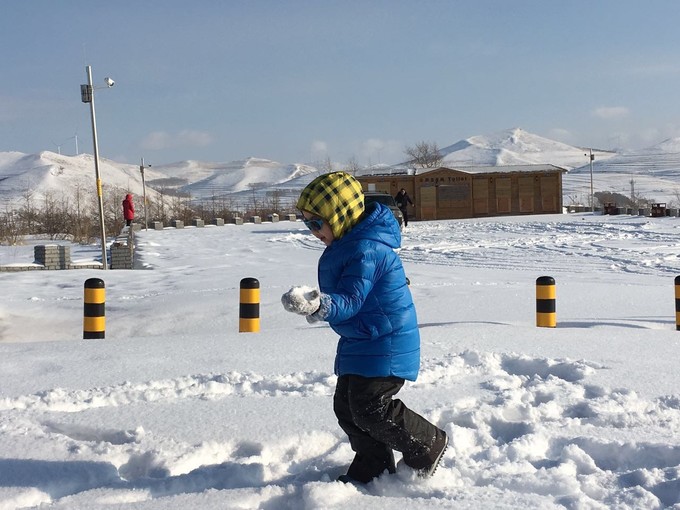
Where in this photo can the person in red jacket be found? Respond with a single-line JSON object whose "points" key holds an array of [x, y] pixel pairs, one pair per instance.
{"points": [[128, 209]]}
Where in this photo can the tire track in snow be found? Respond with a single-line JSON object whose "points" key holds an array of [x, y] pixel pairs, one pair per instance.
{"points": [[593, 246], [314, 383], [209, 387]]}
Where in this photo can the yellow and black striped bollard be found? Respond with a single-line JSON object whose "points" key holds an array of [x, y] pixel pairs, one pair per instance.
{"points": [[677, 303], [94, 312], [545, 302], [249, 306]]}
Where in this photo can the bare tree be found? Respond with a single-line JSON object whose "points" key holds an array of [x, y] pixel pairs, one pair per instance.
{"points": [[10, 228], [157, 207], [113, 209], [424, 154], [327, 166], [352, 166], [28, 211]]}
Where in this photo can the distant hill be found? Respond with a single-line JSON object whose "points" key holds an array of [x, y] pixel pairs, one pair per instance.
{"points": [[662, 159], [60, 176], [514, 147], [215, 179], [50, 174], [654, 171]]}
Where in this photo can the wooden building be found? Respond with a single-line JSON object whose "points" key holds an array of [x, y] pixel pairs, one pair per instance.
{"points": [[470, 192]]}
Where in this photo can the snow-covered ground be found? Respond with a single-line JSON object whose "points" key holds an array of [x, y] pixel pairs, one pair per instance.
{"points": [[176, 409]]}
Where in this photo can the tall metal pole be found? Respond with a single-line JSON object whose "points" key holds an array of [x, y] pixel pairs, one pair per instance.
{"points": [[592, 195], [146, 218], [100, 197]]}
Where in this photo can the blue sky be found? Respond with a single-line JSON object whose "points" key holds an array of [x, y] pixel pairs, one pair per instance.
{"points": [[300, 81]]}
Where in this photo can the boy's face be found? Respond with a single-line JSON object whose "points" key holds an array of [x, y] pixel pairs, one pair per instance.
{"points": [[325, 234]]}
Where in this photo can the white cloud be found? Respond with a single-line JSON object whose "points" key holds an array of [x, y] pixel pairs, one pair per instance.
{"points": [[611, 112], [375, 150], [158, 140], [318, 152], [319, 148]]}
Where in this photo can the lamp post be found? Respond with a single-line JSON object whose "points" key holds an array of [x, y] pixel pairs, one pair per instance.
{"points": [[87, 96], [592, 195], [146, 218], [75, 137]]}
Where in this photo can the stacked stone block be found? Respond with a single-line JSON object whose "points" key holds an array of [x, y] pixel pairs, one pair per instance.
{"points": [[123, 250], [53, 256]]}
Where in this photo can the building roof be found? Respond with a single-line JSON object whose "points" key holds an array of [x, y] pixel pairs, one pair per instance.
{"points": [[482, 169], [487, 169]]}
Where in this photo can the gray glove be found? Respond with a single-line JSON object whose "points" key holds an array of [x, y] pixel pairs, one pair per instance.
{"points": [[301, 300], [324, 309], [315, 317]]}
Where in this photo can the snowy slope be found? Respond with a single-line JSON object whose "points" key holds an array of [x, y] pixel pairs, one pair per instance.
{"points": [[245, 176], [654, 172], [60, 176], [514, 147], [659, 160]]}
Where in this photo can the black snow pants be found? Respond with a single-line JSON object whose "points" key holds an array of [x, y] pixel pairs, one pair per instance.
{"points": [[404, 213], [377, 424]]}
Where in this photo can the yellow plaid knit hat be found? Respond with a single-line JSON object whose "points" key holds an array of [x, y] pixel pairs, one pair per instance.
{"points": [[336, 197]]}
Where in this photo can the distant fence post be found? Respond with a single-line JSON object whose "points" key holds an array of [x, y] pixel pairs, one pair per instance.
{"points": [[545, 302], [249, 306], [93, 316]]}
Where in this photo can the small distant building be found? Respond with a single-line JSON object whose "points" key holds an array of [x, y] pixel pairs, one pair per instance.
{"points": [[475, 191]]}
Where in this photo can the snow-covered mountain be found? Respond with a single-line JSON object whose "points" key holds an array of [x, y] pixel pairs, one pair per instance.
{"points": [[58, 175], [50, 174], [653, 172], [515, 147], [200, 179]]}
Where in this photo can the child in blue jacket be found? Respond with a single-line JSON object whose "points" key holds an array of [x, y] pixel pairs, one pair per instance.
{"points": [[364, 297]]}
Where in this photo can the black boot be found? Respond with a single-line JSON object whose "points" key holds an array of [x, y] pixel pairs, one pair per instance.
{"points": [[426, 464], [365, 468]]}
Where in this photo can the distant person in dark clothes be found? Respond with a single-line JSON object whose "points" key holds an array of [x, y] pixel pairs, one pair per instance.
{"points": [[402, 199], [128, 210]]}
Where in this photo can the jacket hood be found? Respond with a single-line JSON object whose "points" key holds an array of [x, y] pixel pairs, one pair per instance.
{"points": [[336, 197], [378, 224]]}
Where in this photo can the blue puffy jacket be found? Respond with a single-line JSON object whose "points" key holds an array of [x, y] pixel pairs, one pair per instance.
{"points": [[370, 303]]}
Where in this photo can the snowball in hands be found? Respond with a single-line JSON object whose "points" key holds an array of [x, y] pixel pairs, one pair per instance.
{"points": [[302, 300]]}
